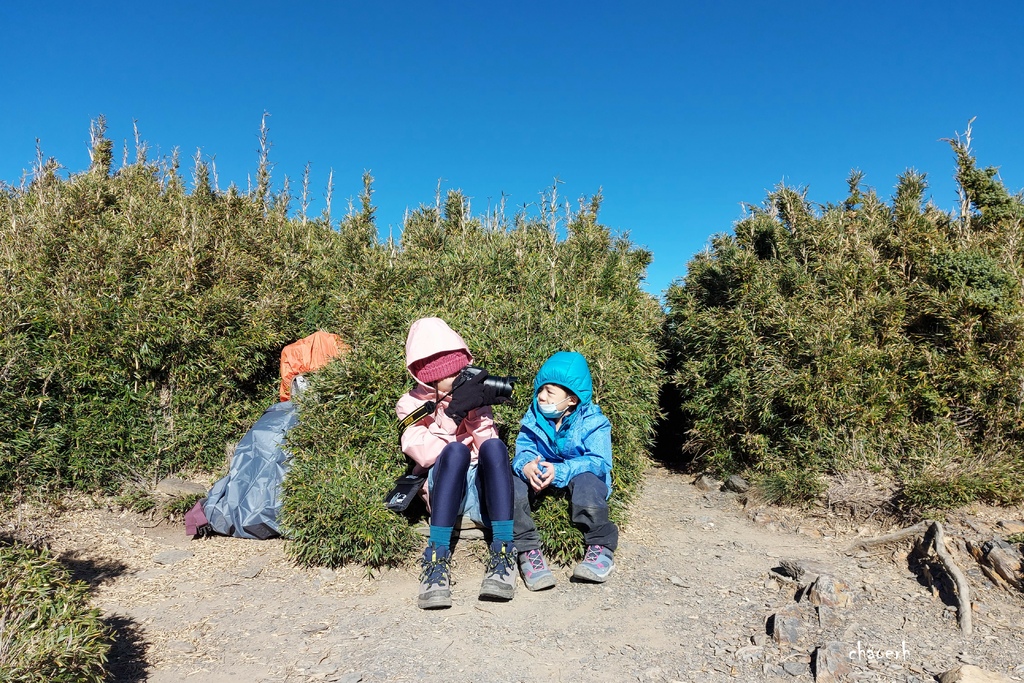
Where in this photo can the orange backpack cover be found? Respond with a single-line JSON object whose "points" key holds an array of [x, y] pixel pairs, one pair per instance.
{"points": [[307, 355]]}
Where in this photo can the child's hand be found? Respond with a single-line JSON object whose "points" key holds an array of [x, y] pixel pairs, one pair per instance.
{"points": [[548, 474], [539, 474], [470, 395]]}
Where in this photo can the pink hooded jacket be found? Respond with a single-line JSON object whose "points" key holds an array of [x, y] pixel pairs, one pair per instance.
{"points": [[424, 440]]}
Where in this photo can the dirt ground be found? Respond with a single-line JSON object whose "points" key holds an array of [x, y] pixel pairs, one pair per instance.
{"points": [[689, 601]]}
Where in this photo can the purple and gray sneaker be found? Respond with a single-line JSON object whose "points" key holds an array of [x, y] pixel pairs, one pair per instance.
{"points": [[536, 574], [597, 564]]}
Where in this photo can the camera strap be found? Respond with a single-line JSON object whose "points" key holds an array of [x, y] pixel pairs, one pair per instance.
{"points": [[415, 416]]}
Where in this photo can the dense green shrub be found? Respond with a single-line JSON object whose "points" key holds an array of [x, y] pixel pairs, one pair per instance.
{"points": [[48, 633], [864, 335], [517, 293], [142, 324]]}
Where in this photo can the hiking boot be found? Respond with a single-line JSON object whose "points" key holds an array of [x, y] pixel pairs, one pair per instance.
{"points": [[500, 580], [536, 574], [597, 564], [436, 578]]}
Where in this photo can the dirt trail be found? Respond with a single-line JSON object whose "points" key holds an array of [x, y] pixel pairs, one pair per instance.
{"points": [[688, 602]]}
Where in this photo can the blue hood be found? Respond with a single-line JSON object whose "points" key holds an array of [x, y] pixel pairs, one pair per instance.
{"points": [[567, 369]]}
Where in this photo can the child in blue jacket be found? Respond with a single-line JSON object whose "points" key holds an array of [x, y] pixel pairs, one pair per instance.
{"points": [[565, 442]]}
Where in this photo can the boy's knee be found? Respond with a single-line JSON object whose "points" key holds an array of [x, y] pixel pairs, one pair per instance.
{"points": [[588, 490], [520, 488]]}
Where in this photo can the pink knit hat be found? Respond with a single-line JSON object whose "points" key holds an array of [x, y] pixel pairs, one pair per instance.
{"points": [[439, 366]]}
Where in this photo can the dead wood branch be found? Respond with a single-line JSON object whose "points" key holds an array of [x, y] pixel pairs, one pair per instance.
{"points": [[895, 537], [937, 541], [933, 538]]}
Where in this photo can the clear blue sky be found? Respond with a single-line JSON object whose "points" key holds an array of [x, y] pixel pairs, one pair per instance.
{"points": [[680, 111]]}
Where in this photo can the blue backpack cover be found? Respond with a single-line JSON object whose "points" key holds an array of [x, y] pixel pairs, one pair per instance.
{"points": [[246, 502]]}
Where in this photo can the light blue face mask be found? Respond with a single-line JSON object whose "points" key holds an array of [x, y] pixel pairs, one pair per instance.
{"points": [[550, 410]]}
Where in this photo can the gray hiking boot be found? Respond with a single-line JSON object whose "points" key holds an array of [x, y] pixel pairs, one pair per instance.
{"points": [[435, 578], [500, 580], [536, 574], [597, 564]]}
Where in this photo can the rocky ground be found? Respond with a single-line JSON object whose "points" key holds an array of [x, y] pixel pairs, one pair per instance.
{"points": [[694, 598]]}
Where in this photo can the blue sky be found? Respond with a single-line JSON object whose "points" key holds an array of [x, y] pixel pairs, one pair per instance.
{"points": [[680, 111]]}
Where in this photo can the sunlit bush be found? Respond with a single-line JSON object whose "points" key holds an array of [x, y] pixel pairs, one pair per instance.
{"points": [[863, 334]]}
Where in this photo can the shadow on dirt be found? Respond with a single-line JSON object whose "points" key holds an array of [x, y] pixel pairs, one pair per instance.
{"points": [[930, 574], [93, 572], [127, 660]]}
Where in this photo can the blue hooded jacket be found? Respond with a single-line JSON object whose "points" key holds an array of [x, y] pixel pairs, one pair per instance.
{"points": [[583, 442]]}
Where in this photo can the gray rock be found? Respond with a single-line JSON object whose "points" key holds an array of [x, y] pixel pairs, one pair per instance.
{"points": [[151, 574], [1010, 527], [171, 556], [968, 673], [830, 592], [1001, 562], [252, 570], [707, 483], [789, 625], [733, 497], [803, 570], [325, 669], [828, 617], [181, 646], [470, 534], [736, 483], [832, 663], [466, 522], [465, 529], [174, 486], [749, 653], [796, 668]]}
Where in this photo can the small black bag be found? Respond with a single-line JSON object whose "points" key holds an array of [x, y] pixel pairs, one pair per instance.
{"points": [[406, 490]]}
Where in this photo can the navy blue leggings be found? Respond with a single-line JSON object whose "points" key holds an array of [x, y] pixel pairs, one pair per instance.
{"points": [[493, 479]]}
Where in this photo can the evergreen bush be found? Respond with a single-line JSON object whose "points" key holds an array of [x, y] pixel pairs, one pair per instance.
{"points": [[859, 335], [142, 324], [48, 632], [517, 292]]}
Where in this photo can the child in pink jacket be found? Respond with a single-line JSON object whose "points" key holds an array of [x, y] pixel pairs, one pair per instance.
{"points": [[469, 471]]}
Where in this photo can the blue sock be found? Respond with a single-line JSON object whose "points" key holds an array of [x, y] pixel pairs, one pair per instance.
{"points": [[502, 530], [442, 535]]}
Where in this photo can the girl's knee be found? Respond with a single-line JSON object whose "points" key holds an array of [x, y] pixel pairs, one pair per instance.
{"points": [[454, 455], [493, 452]]}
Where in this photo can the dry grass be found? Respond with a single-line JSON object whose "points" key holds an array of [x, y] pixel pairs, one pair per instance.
{"points": [[860, 495]]}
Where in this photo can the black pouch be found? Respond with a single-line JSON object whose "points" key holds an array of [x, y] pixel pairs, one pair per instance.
{"points": [[406, 490]]}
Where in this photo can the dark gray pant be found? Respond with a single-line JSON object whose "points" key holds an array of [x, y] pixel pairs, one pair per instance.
{"points": [[588, 509]]}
